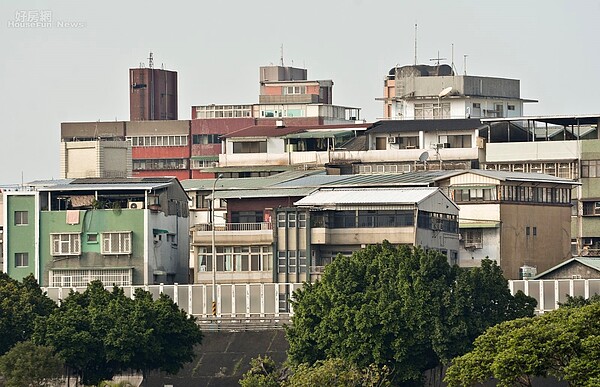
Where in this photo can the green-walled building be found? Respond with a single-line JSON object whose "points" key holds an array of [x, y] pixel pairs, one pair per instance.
{"points": [[122, 231]]}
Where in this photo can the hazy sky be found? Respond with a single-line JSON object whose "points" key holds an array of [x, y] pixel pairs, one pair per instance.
{"points": [[76, 68]]}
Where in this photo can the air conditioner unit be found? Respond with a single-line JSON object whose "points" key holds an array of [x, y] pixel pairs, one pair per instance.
{"points": [[392, 140], [135, 205]]}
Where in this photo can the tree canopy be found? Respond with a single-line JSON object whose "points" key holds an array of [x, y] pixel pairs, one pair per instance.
{"points": [[401, 307], [564, 343], [27, 364], [99, 333], [20, 304]]}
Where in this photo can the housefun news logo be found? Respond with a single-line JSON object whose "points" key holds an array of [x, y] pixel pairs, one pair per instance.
{"points": [[41, 18]]}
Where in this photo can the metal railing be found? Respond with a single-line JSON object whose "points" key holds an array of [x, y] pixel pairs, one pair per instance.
{"points": [[267, 305], [207, 227]]}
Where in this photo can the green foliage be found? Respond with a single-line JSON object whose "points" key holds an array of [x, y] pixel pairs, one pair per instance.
{"points": [[332, 372], [27, 364], [100, 333], [337, 372], [262, 373], [564, 343], [398, 307], [20, 304]]}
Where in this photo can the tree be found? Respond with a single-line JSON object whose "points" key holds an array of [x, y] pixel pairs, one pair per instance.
{"points": [[263, 372], [27, 364], [564, 344], [326, 373], [100, 333], [20, 304], [397, 307]]}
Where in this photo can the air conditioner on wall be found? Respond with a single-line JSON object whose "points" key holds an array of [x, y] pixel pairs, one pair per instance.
{"points": [[135, 205]]}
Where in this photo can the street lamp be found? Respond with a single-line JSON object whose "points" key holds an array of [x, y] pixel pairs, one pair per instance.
{"points": [[214, 251]]}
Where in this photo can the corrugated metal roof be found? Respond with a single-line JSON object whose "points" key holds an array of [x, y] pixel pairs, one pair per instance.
{"points": [[250, 168], [422, 178], [322, 133], [275, 131], [106, 187], [263, 193], [248, 182], [395, 126], [522, 176], [103, 184], [367, 196]]}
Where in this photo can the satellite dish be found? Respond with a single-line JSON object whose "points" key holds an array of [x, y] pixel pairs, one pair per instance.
{"points": [[445, 92], [423, 157]]}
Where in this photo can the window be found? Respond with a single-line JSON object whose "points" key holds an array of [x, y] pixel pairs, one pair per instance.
{"points": [[65, 244], [250, 147], [206, 139], [302, 220], [459, 141], [21, 218], [116, 242], [281, 220], [92, 238], [591, 208], [472, 238], [432, 110], [590, 168], [292, 220], [511, 107], [145, 141], [21, 259]]}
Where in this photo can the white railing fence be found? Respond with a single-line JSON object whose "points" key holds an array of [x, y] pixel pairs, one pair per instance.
{"points": [[259, 302]]}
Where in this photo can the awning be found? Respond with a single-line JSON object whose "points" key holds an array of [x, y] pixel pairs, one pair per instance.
{"points": [[157, 231], [484, 224]]}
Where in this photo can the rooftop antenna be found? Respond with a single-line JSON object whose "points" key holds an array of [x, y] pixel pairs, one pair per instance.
{"points": [[281, 55], [453, 68], [438, 59], [415, 44], [465, 63], [151, 61]]}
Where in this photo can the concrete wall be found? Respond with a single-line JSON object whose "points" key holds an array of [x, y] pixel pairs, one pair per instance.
{"points": [[95, 222], [224, 357], [551, 245], [20, 238], [81, 159], [530, 151]]}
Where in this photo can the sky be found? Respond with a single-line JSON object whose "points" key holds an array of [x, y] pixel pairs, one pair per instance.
{"points": [[75, 66]]}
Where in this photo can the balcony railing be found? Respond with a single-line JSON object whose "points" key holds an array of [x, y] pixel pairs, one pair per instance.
{"points": [[235, 226]]}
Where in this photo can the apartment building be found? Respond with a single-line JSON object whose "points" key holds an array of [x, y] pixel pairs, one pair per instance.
{"points": [[436, 91], [562, 146], [120, 231], [286, 94]]}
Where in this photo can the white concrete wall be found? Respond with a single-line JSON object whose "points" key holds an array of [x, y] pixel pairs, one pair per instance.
{"points": [[162, 254], [490, 249], [321, 158], [532, 151]]}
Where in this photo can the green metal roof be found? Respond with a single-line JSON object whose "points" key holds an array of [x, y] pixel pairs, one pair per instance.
{"points": [[264, 193], [206, 158], [246, 183]]}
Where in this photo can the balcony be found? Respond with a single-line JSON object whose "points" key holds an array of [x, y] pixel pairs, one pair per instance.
{"points": [[341, 156], [233, 233]]}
